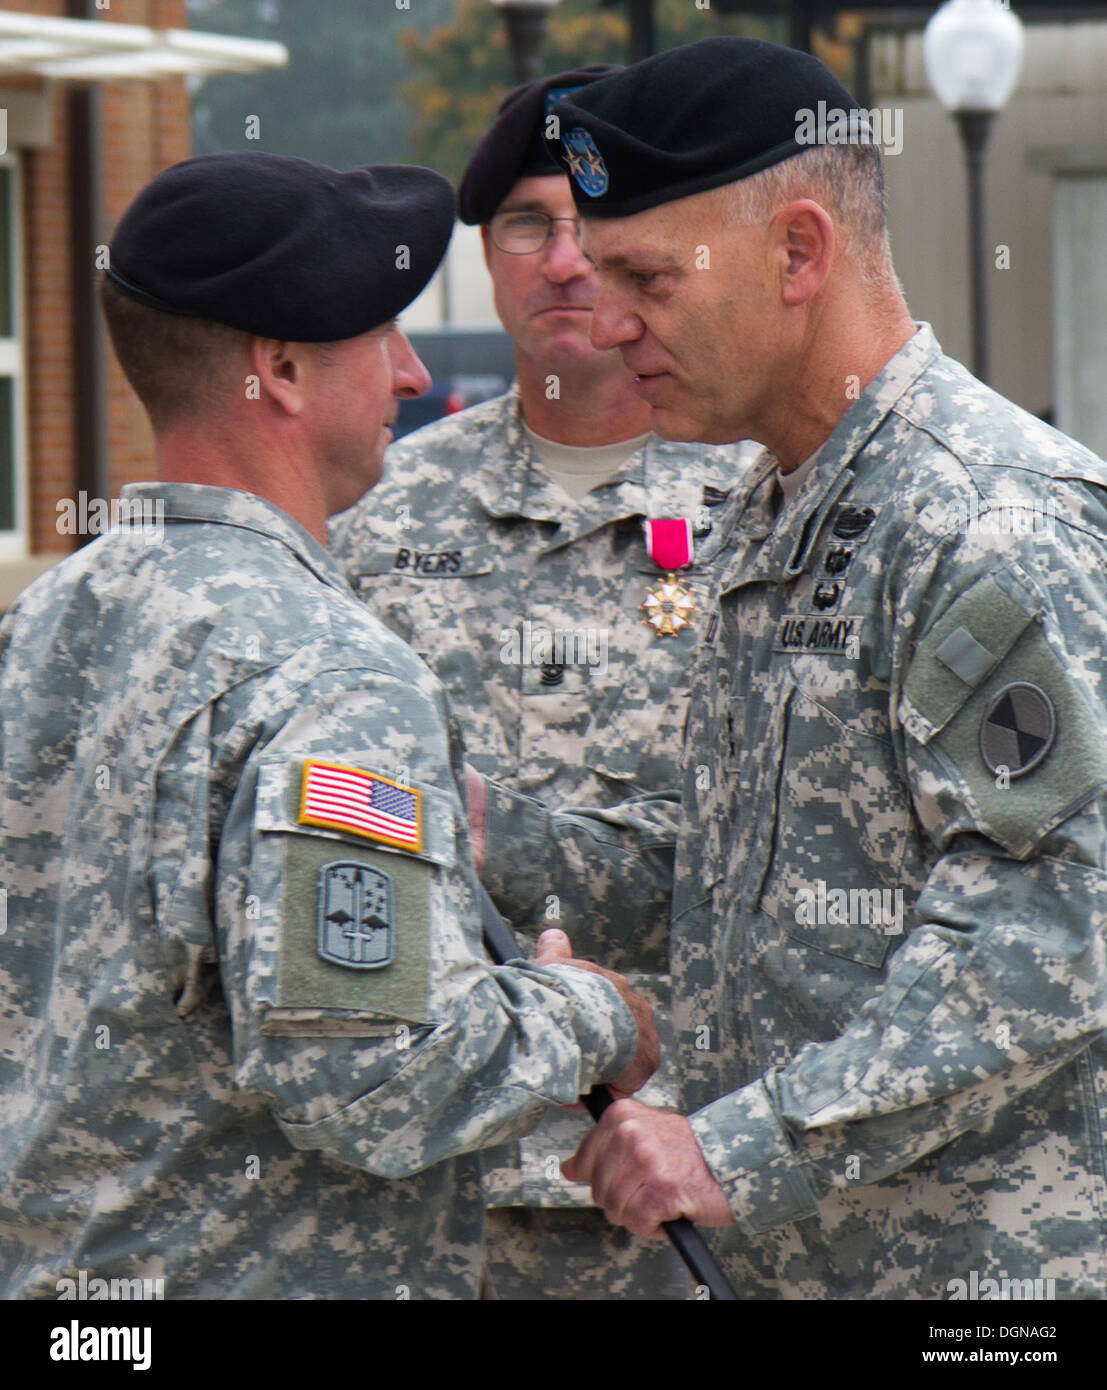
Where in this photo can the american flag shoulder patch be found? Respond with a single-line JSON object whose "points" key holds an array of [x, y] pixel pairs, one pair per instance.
{"points": [[363, 803]]}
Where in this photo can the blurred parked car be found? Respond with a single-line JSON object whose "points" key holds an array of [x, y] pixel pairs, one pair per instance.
{"points": [[447, 396], [466, 366]]}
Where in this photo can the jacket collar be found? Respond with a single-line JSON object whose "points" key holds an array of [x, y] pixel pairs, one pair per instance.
{"points": [[512, 482], [178, 503], [789, 534]]}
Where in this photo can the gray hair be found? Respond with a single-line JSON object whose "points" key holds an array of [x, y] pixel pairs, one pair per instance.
{"points": [[846, 180]]}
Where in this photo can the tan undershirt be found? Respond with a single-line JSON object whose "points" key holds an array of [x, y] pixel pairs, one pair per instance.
{"points": [[576, 468], [790, 483]]}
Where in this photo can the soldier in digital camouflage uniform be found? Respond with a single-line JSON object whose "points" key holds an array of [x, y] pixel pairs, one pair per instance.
{"points": [[891, 891], [244, 1000], [517, 567]]}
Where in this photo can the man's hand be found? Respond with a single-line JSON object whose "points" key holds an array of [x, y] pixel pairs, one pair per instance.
{"points": [[554, 948], [476, 788], [645, 1167]]}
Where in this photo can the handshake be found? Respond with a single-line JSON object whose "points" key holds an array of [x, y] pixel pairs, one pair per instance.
{"points": [[554, 948], [644, 1165]]}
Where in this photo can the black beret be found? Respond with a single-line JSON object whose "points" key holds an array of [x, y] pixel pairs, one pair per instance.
{"points": [[283, 247], [691, 119], [513, 147]]}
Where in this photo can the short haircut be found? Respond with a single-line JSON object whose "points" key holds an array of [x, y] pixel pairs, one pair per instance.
{"points": [[180, 367], [847, 180]]}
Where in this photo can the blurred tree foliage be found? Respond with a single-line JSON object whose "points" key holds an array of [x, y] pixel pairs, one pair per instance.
{"points": [[463, 69], [371, 82], [338, 98]]}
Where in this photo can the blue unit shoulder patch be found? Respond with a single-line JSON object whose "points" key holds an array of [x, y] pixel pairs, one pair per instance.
{"points": [[355, 915]]}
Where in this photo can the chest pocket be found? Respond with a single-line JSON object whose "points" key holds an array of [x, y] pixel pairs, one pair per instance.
{"points": [[707, 786], [637, 732], [697, 911], [835, 819], [439, 601], [420, 592]]}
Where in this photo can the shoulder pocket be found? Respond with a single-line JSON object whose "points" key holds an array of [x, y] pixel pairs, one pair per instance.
{"points": [[1020, 778], [834, 835], [636, 736], [961, 649], [425, 829], [353, 895]]}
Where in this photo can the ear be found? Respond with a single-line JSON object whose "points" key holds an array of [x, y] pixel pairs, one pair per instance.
{"points": [[282, 370], [804, 243]]}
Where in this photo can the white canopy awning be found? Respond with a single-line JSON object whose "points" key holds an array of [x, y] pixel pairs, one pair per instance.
{"points": [[92, 50]]}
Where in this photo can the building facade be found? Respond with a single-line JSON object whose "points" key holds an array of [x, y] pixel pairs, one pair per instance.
{"points": [[94, 103]]}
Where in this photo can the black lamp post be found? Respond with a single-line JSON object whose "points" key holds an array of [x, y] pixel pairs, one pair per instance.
{"points": [[526, 30], [973, 53]]}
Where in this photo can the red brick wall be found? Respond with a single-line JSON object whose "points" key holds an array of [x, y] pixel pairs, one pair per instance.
{"points": [[144, 128], [47, 315]]}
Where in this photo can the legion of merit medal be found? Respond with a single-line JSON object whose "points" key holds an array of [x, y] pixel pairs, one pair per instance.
{"points": [[669, 606]]}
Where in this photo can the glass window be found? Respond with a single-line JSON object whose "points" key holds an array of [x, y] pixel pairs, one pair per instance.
{"points": [[13, 481], [7, 460], [7, 276]]}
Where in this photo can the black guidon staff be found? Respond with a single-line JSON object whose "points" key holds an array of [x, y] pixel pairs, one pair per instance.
{"points": [[688, 1242]]}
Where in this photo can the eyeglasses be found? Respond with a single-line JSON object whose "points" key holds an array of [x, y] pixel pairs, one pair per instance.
{"points": [[524, 232]]}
